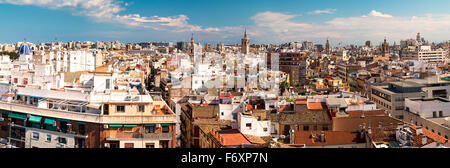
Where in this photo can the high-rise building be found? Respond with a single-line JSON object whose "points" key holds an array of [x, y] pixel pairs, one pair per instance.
{"points": [[245, 45]]}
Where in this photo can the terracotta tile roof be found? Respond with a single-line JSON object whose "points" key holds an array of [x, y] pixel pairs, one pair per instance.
{"points": [[285, 108], [435, 137], [366, 113], [315, 106], [231, 138], [255, 139], [330, 138], [301, 102], [353, 123]]}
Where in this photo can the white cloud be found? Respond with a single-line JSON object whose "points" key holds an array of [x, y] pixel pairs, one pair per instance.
{"points": [[324, 11], [108, 11], [279, 27], [374, 13]]}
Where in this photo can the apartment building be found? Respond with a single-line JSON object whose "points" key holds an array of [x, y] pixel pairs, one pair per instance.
{"points": [[425, 53], [89, 109]]}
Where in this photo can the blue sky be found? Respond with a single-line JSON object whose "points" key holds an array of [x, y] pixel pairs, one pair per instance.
{"points": [[268, 21]]}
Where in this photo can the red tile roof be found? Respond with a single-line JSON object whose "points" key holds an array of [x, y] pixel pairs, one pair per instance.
{"points": [[366, 113], [331, 138], [315, 106], [232, 138]]}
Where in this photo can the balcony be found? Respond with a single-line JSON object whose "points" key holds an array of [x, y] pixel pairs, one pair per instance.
{"points": [[88, 117], [29, 109], [152, 119], [133, 135]]}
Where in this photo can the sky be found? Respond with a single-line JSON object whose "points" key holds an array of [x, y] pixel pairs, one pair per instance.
{"points": [[213, 21]]}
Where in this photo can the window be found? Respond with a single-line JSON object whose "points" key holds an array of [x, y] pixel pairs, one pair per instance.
{"points": [[106, 109], [108, 83], [434, 114], [150, 129], [164, 144], [149, 145], [165, 129], [129, 145], [325, 128], [265, 129], [440, 114], [62, 140], [141, 108], [35, 135], [249, 125], [120, 108], [305, 128], [49, 138], [315, 128]]}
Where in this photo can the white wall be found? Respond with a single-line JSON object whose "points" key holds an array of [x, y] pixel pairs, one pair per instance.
{"points": [[426, 110], [257, 127]]}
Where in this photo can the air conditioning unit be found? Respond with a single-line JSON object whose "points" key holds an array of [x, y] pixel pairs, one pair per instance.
{"points": [[2, 119], [107, 145], [106, 126], [128, 98], [158, 125], [136, 98]]}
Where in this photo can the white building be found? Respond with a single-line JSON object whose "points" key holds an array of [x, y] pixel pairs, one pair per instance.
{"points": [[425, 53], [250, 125], [428, 107]]}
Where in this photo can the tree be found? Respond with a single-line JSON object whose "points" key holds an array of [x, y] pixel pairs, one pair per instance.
{"points": [[12, 55], [283, 86]]}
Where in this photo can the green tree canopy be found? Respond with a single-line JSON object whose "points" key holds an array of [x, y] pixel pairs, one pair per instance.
{"points": [[12, 55]]}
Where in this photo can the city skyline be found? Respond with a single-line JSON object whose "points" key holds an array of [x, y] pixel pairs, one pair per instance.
{"points": [[349, 22]]}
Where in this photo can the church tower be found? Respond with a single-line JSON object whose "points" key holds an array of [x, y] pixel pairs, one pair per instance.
{"points": [[385, 49], [418, 37], [245, 45], [192, 44], [327, 46]]}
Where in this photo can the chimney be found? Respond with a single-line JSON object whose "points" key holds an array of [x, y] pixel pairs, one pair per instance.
{"points": [[418, 130], [424, 139]]}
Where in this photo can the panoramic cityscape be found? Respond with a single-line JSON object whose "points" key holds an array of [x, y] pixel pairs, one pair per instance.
{"points": [[193, 74]]}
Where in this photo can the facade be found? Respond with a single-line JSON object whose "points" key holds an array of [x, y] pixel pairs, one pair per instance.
{"points": [[425, 53], [430, 113]]}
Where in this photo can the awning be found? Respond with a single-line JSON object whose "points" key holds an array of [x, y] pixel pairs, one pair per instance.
{"points": [[149, 125], [81, 123], [35, 119], [129, 126], [17, 116], [165, 124], [49, 121], [63, 120], [31, 96], [115, 125]]}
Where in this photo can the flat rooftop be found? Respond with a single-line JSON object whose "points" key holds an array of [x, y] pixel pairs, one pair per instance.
{"points": [[430, 100]]}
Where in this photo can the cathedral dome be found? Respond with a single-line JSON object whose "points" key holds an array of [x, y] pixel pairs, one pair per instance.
{"points": [[24, 50]]}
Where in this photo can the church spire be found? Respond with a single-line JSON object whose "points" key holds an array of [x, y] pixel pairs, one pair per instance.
{"points": [[245, 33]]}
